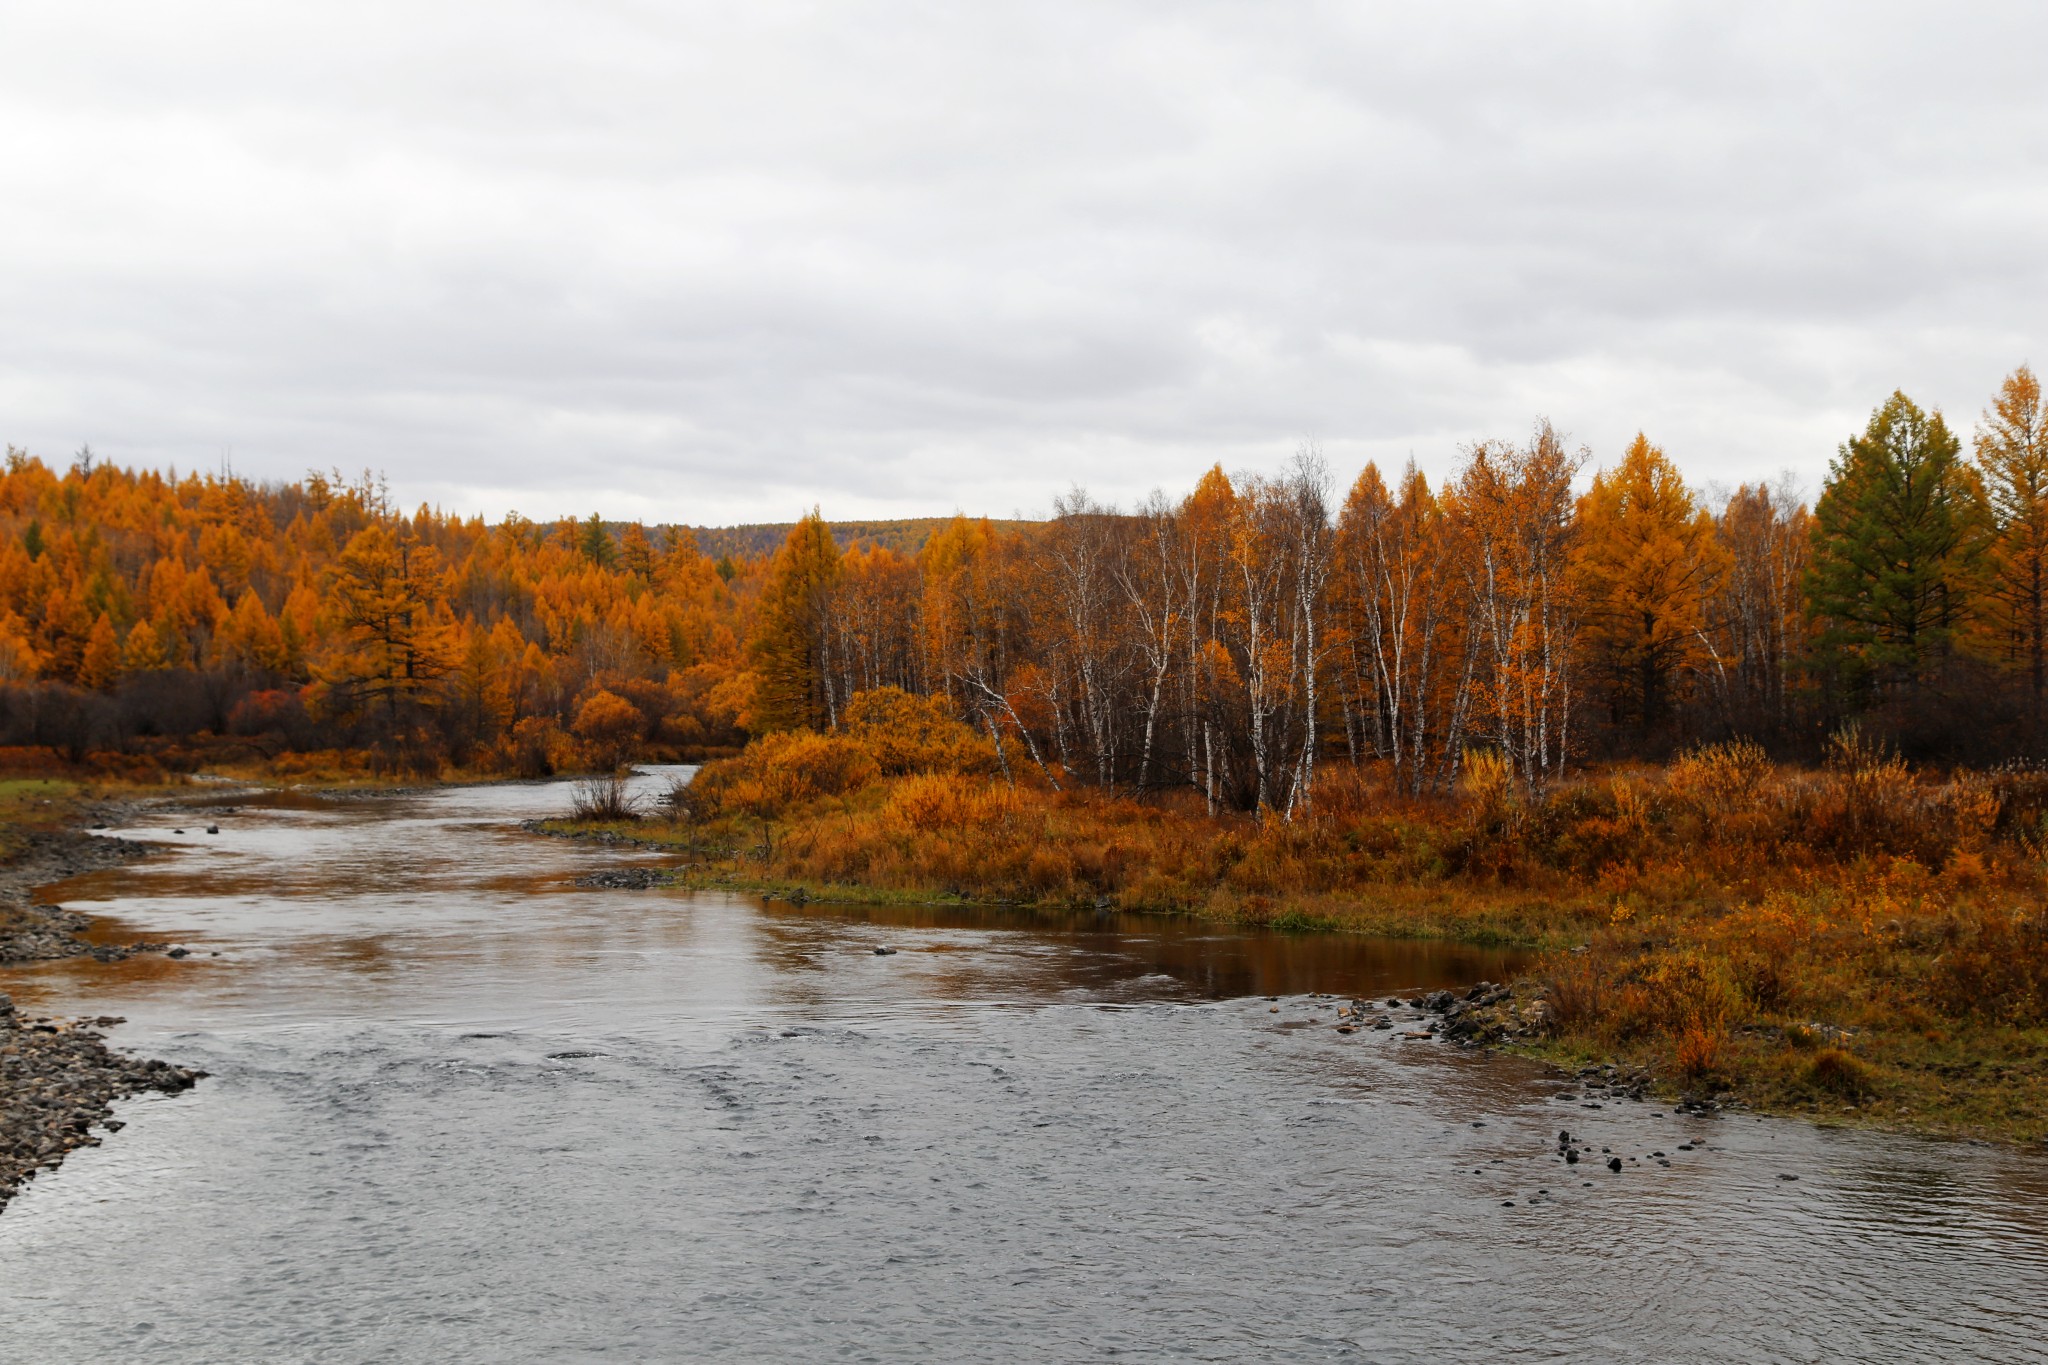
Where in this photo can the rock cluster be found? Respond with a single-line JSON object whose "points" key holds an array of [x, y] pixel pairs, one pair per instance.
{"points": [[628, 878], [58, 1079], [1487, 1013]]}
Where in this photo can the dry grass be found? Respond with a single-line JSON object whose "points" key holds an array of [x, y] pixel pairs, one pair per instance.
{"points": [[607, 798]]}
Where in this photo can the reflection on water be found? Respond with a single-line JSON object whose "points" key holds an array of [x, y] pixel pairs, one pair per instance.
{"points": [[464, 1109]]}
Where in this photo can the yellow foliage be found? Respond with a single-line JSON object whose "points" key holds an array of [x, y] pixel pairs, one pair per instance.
{"points": [[910, 734]]}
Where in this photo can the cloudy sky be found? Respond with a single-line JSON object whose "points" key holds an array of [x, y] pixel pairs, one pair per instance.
{"points": [[716, 263]]}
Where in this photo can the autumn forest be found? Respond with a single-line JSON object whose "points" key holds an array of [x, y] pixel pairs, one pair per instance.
{"points": [[1228, 643]]}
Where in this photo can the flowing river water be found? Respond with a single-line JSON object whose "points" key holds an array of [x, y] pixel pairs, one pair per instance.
{"points": [[462, 1109]]}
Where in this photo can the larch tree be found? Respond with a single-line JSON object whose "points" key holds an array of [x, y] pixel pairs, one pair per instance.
{"points": [[1647, 561], [791, 638], [384, 590], [2012, 456], [100, 666]]}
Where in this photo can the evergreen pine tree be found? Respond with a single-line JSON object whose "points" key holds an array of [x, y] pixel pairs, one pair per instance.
{"points": [[1895, 537]]}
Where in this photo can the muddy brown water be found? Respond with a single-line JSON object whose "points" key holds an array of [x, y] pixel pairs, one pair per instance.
{"points": [[463, 1109]]}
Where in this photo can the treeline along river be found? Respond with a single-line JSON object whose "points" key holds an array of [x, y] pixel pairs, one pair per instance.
{"points": [[461, 1108]]}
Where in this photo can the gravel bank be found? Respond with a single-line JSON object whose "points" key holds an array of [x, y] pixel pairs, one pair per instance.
{"points": [[35, 932], [58, 1078]]}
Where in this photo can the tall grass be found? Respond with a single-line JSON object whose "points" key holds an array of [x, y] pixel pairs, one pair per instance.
{"points": [[607, 799]]}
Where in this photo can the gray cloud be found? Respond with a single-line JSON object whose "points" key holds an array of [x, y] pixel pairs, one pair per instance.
{"points": [[721, 262]]}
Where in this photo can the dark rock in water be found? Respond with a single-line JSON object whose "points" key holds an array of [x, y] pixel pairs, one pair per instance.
{"points": [[1571, 1156], [626, 879], [1614, 1164], [1564, 1137], [885, 952], [572, 1056], [179, 952], [177, 831], [213, 829], [1788, 1177]]}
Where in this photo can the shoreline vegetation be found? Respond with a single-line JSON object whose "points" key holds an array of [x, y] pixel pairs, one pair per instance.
{"points": [[1857, 942]]}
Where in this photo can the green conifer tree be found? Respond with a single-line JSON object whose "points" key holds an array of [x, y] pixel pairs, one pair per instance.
{"points": [[1896, 536]]}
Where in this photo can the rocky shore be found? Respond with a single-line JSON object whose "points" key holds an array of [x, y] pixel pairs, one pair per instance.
{"points": [[31, 931], [58, 1078]]}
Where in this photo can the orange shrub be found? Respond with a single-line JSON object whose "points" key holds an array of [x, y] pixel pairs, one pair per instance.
{"points": [[780, 771], [609, 726], [909, 734]]}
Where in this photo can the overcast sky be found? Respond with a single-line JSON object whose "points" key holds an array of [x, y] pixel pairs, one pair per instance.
{"points": [[716, 263]]}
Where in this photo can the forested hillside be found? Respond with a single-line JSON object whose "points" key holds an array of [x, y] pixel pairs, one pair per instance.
{"points": [[905, 537]]}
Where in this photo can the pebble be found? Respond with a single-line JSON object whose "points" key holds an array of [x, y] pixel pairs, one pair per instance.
{"points": [[885, 952], [1614, 1164]]}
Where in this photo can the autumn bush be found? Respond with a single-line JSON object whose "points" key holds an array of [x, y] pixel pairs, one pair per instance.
{"points": [[779, 772], [610, 727], [1995, 966], [910, 734]]}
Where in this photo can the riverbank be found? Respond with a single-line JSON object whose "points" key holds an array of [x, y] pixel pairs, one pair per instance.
{"points": [[58, 1078], [1857, 944]]}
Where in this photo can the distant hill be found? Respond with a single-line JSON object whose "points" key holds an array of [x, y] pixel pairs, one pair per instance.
{"points": [[905, 536]]}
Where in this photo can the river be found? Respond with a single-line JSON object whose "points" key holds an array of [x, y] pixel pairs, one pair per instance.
{"points": [[462, 1109]]}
